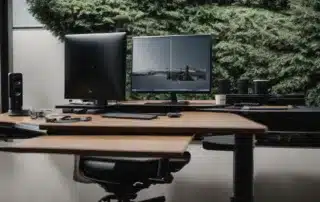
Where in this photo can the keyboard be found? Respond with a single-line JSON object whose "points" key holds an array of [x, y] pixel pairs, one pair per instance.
{"points": [[120, 115]]}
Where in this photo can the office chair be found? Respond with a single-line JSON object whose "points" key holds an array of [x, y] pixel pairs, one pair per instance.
{"points": [[219, 142], [124, 177]]}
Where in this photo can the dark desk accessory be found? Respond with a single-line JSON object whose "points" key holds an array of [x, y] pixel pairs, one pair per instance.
{"points": [[174, 114], [289, 99], [261, 87], [121, 115], [15, 83]]}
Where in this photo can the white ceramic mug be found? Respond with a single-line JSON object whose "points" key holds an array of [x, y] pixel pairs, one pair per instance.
{"points": [[220, 99]]}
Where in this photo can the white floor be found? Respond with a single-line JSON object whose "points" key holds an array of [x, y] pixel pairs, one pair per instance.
{"points": [[280, 175]]}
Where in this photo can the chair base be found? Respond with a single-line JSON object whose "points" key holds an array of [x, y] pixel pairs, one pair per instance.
{"points": [[110, 198]]}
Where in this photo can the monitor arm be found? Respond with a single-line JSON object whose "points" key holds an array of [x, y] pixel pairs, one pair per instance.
{"points": [[173, 97]]}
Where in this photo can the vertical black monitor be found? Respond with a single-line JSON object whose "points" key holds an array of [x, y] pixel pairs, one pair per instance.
{"points": [[172, 64], [95, 66]]}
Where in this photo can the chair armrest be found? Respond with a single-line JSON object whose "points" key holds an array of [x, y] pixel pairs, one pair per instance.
{"points": [[78, 175]]}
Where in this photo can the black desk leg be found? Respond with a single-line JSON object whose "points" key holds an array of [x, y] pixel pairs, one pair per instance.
{"points": [[243, 169]]}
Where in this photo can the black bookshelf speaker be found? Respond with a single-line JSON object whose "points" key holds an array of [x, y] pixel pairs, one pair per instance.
{"points": [[16, 95], [243, 86], [261, 87], [222, 91], [224, 86]]}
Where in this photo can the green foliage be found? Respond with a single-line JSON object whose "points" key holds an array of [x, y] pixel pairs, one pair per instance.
{"points": [[316, 5], [252, 42]]}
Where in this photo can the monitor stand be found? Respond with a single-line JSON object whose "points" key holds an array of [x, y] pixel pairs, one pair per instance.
{"points": [[21, 112], [174, 101], [97, 105]]}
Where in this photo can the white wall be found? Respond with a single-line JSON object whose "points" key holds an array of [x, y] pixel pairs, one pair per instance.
{"points": [[40, 57]]}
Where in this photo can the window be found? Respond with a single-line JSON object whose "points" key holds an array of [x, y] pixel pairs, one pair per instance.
{"points": [[21, 16]]}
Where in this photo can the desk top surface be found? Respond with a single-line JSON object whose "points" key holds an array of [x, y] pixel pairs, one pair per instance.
{"points": [[5, 119], [192, 103], [163, 136], [104, 145], [188, 123]]}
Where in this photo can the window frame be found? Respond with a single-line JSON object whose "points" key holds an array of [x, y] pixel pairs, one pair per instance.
{"points": [[5, 53]]}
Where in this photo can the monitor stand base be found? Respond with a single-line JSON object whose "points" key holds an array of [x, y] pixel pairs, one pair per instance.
{"points": [[182, 102], [96, 105], [22, 112], [174, 101]]}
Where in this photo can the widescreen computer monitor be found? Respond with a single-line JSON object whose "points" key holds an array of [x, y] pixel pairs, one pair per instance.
{"points": [[172, 64], [95, 66]]}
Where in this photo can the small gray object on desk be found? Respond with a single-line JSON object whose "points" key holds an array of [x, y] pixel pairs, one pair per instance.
{"points": [[66, 119], [174, 114]]}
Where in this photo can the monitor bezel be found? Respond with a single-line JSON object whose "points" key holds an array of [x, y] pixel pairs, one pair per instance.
{"points": [[69, 39], [175, 91]]}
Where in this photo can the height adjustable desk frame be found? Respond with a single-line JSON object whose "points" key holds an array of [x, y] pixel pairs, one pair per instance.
{"points": [[188, 125]]}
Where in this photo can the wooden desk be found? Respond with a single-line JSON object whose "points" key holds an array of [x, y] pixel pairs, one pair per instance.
{"points": [[190, 123], [112, 145], [5, 119]]}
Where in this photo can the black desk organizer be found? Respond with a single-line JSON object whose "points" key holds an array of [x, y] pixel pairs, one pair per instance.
{"points": [[291, 99], [133, 108], [295, 99], [297, 127]]}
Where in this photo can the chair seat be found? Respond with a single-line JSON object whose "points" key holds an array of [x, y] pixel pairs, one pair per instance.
{"points": [[124, 177], [122, 170], [129, 169], [220, 142]]}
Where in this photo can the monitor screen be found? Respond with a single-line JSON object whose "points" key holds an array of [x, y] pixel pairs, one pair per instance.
{"points": [[180, 63], [95, 66]]}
